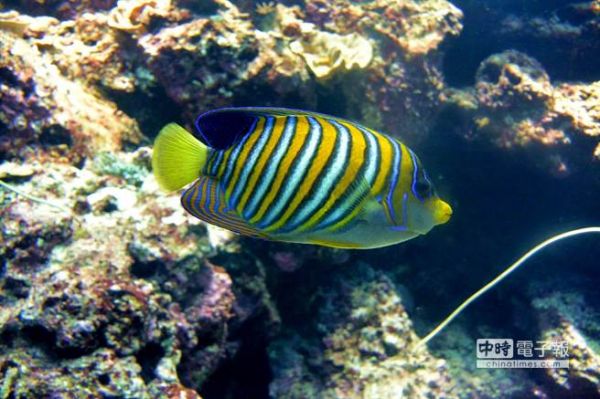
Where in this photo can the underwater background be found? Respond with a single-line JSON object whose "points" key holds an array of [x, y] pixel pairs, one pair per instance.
{"points": [[109, 289]]}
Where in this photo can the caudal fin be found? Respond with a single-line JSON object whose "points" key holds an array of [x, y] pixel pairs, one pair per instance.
{"points": [[177, 157]]}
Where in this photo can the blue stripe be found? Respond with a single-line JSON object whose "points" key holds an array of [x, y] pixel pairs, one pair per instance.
{"points": [[253, 158], [217, 163], [373, 162], [334, 169], [292, 183], [415, 173], [271, 168], [231, 162], [395, 172], [342, 210]]}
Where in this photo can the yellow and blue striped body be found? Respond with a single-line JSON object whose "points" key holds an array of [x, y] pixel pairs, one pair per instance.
{"points": [[311, 178]]}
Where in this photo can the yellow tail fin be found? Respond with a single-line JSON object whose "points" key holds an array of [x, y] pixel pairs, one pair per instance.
{"points": [[177, 157]]}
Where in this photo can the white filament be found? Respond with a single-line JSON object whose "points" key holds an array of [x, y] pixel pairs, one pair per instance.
{"points": [[501, 276]]}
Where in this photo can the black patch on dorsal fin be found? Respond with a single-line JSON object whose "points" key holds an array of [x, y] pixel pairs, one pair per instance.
{"points": [[220, 128]]}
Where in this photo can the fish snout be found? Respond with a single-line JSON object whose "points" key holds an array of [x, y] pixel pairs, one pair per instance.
{"points": [[442, 212]]}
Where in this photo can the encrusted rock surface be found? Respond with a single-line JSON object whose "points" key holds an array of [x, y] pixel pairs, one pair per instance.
{"points": [[109, 289], [515, 105], [360, 345], [113, 291], [567, 318], [41, 104]]}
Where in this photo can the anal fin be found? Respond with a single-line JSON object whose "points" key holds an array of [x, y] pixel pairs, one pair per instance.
{"points": [[206, 200]]}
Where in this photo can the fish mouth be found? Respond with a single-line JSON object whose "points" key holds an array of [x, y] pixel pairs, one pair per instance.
{"points": [[442, 213]]}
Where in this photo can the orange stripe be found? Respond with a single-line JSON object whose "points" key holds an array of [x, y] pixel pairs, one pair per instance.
{"points": [[385, 163], [354, 162], [299, 137], [265, 156], [243, 156], [324, 152]]}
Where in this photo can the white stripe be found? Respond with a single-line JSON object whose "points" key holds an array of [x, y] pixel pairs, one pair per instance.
{"points": [[328, 181], [373, 147], [294, 181], [251, 162], [271, 168]]}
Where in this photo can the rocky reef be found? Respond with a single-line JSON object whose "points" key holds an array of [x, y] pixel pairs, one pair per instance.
{"points": [[109, 289], [360, 345], [514, 105]]}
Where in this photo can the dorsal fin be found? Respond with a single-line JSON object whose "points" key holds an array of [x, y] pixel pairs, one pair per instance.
{"points": [[220, 128]]}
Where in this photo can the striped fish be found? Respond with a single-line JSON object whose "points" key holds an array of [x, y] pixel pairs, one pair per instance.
{"points": [[298, 176]]}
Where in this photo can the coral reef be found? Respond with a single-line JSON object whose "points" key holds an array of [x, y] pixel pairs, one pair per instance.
{"points": [[109, 289], [416, 27], [42, 105], [358, 346], [115, 295], [572, 30], [205, 62], [514, 105], [216, 61], [565, 317], [324, 52]]}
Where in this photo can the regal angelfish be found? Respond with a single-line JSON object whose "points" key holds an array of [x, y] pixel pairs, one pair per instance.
{"points": [[298, 176]]}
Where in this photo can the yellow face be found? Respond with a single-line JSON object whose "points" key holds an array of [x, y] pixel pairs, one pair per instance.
{"points": [[423, 216], [414, 207]]}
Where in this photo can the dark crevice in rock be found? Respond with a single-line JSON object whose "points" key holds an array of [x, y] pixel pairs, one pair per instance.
{"points": [[15, 287], [145, 269], [55, 135], [148, 358], [158, 109], [39, 336], [8, 77], [247, 375]]}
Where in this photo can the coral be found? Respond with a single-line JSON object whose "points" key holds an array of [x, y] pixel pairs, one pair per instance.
{"points": [[63, 9], [58, 110], [133, 171], [325, 52], [89, 51], [416, 27], [203, 63], [115, 291], [511, 80], [207, 57], [226, 60], [358, 347], [134, 16], [565, 317], [514, 105], [220, 60], [403, 83], [121, 280], [580, 104]]}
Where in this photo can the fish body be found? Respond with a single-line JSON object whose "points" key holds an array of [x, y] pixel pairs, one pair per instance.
{"points": [[297, 176]]}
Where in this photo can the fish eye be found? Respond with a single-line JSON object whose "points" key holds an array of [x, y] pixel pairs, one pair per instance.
{"points": [[423, 188]]}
